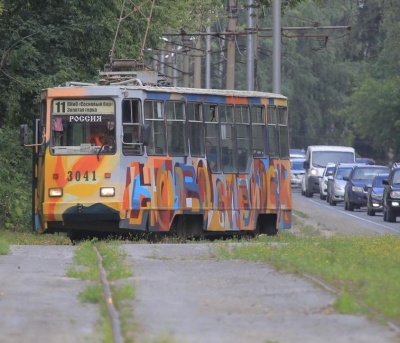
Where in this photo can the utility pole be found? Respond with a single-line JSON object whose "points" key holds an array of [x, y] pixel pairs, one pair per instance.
{"points": [[197, 64], [231, 49], [208, 58], [250, 44], [253, 31], [276, 46]]}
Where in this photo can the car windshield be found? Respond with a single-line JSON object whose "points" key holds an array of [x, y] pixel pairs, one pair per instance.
{"points": [[343, 172], [322, 158], [297, 165], [368, 173], [396, 178], [378, 181], [329, 171]]}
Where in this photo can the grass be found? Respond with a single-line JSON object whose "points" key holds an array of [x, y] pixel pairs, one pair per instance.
{"points": [[32, 238], [117, 269], [8, 237], [4, 247], [364, 270]]}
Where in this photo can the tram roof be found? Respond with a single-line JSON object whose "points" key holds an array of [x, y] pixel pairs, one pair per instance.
{"points": [[180, 90]]}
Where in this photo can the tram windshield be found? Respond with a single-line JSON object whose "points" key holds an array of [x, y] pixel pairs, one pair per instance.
{"points": [[83, 127]]}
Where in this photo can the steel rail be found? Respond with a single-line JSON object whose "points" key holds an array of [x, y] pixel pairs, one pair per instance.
{"points": [[115, 324]]}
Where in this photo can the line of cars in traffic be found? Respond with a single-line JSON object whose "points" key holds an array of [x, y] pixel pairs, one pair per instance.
{"points": [[356, 184]]}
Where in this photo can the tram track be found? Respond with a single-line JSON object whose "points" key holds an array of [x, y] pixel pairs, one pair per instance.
{"points": [[112, 311]]}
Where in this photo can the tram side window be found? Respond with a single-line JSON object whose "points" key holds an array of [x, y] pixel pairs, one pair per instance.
{"points": [[258, 131], [283, 132], [196, 128], [176, 135], [227, 138], [154, 117], [243, 136], [273, 133], [212, 136], [131, 123]]}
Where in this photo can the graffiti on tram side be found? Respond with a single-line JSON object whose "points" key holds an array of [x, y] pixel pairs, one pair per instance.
{"points": [[160, 189]]}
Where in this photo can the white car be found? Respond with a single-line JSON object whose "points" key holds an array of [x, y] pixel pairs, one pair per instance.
{"points": [[323, 181]]}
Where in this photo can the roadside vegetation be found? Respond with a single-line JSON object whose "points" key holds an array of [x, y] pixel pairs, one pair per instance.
{"points": [[363, 270], [117, 270]]}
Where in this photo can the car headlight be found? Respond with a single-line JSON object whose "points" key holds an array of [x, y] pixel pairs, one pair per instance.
{"points": [[357, 189], [314, 171], [395, 194]]}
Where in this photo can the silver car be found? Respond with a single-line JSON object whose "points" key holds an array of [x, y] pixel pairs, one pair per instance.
{"points": [[297, 171], [336, 184]]}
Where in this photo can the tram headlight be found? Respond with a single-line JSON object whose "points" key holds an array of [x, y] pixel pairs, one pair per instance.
{"points": [[55, 192], [107, 191]]}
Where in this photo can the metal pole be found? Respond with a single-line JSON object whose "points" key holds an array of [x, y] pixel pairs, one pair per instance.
{"points": [[208, 58], [250, 45], [276, 46], [231, 40]]}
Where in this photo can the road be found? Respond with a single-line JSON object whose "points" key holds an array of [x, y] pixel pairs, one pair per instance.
{"points": [[185, 295], [335, 219]]}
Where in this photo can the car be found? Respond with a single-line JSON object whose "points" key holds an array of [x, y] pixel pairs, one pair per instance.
{"points": [[391, 196], [297, 153], [297, 171], [336, 182], [323, 181], [375, 194], [317, 157], [357, 182], [365, 160]]}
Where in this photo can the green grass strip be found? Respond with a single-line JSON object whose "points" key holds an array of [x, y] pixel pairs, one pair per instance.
{"points": [[365, 269], [118, 270]]}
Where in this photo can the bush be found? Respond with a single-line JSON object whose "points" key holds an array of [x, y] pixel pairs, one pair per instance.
{"points": [[15, 181]]}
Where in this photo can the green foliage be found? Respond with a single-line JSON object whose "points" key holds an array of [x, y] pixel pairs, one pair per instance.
{"points": [[92, 294], [15, 182], [4, 247], [345, 303]]}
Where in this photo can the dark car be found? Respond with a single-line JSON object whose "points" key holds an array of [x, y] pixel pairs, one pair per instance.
{"points": [[391, 196], [375, 194], [360, 178]]}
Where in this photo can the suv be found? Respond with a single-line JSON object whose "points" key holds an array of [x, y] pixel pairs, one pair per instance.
{"points": [[336, 182], [355, 193], [391, 196], [323, 181]]}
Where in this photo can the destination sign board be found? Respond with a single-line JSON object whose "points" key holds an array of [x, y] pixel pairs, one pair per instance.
{"points": [[83, 107]]}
